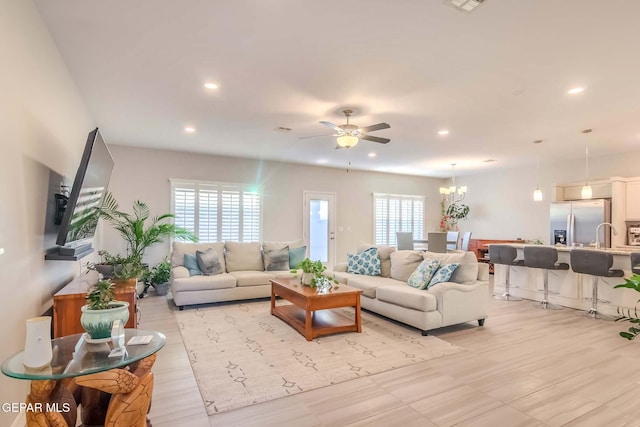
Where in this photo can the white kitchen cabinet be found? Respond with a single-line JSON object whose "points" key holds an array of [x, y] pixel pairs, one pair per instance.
{"points": [[633, 200]]}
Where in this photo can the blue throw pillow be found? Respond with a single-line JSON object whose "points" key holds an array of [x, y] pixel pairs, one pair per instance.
{"points": [[366, 262], [443, 274], [421, 276], [296, 256], [191, 264]]}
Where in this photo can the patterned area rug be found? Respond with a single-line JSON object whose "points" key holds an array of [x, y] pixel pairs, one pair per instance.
{"points": [[242, 355]]}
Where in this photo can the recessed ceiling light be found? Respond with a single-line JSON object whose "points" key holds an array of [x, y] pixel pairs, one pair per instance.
{"points": [[443, 132], [322, 161], [189, 129], [211, 85], [372, 154], [575, 90]]}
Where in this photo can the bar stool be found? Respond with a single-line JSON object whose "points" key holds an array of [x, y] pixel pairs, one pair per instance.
{"points": [[505, 255], [635, 262], [546, 259], [597, 264]]}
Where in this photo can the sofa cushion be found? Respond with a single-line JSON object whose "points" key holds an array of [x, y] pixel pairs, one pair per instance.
{"points": [[201, 283], [276, 259], [181, 248], [243, 256], [403, 263], [406, 296], [422, 275], [384, 253], [366, 262], [252, 278], [209, 262], [369, 284], [443, 274], [296, 256], [467, 271], [270, 246], [284, 274], [191, 263]]}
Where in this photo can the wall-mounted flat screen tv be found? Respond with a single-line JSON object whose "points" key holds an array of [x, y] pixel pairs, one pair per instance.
{"points": [[80, 218]]}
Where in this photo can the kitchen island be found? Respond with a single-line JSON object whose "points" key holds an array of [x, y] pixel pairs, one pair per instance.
{"points": [[570, 289]]}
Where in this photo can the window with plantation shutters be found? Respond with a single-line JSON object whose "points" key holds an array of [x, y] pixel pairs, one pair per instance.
{"points": [[217, 212], [393, 213]]}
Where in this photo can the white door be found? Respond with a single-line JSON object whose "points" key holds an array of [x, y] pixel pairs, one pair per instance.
{"points": [[319, 226]]}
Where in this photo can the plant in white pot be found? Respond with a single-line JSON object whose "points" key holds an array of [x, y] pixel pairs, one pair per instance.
{"points": [[101, 310], [310, 271]]}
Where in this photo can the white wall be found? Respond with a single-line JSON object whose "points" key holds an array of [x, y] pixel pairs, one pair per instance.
{"points": [[44, 126], [144, 174], [502, 205]]}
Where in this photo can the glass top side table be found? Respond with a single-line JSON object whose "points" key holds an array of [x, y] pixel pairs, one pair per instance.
{"points": [[78, 363]]}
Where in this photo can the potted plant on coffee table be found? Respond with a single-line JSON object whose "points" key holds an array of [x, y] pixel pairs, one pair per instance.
{"points": [[159, 277], [310, 270], [101, 311]]}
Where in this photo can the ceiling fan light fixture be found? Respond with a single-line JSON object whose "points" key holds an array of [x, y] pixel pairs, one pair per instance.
{"points": [[347, 141]]}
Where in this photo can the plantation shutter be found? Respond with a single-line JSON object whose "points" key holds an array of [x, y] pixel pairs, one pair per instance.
{"points": [[217, 212], [397, 213]]}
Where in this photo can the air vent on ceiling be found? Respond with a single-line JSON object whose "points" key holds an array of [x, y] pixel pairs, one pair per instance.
{"points": [[465, 5], [489, 161], [282, 129]]}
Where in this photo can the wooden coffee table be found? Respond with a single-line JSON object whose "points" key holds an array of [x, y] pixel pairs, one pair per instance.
{"points": [[310, 311]]}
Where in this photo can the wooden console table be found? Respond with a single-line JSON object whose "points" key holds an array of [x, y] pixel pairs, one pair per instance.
{"points": [[112, 391], [68, 301], [480, 248]]}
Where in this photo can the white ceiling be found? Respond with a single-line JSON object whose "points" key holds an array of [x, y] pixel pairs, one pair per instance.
{"points": [[497, 78]]}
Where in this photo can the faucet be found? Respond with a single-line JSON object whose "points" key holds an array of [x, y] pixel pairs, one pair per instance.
{"points": [[615, 233]]}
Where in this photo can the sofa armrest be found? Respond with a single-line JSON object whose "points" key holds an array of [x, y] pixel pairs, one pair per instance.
{"points": [[483, 271], [180, 272], [439, 290], [340, 267]]}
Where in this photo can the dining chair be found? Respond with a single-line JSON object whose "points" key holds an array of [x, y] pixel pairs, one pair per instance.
{"points": [[404, 240]]}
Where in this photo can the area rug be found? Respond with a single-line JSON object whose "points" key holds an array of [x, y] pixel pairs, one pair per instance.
{"points": [[242, 355]]}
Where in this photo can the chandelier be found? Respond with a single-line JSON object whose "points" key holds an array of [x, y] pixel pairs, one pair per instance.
{"points": [[453, 194]]}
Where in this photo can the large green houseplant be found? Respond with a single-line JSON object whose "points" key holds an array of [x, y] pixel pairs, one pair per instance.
{"points": [[102, 310], [139, 230], [628, 314]]}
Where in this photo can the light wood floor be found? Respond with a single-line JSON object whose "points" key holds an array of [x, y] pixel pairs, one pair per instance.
{"points": [[525, 367]]}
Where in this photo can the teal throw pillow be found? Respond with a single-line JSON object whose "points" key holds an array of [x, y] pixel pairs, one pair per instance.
{"points": [[191, 264], [422, 275], [443, 274], [366, 262], [296, 256]]}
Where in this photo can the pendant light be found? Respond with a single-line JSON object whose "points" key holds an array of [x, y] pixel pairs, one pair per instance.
{"points": [[586, 192], [537, 194]]}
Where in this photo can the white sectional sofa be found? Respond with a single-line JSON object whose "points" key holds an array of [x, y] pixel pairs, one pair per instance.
{"points": [[243, 272], [465, 297]]}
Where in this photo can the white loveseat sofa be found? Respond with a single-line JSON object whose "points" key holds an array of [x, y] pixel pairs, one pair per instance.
{"points": [[243, 272], [465, 297]]}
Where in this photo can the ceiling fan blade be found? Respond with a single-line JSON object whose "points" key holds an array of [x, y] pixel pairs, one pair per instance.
{"points": [[371, 128], [314, 136], [332, 126], [375, 139]]}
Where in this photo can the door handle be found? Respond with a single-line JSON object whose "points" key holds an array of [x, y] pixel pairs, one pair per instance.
{"points": [[332, 235]]}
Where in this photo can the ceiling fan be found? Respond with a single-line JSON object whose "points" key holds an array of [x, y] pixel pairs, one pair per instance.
{"points": [[349, 134]]}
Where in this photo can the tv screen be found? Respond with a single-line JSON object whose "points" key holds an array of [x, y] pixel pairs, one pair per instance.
{"points": [[87, 193]]}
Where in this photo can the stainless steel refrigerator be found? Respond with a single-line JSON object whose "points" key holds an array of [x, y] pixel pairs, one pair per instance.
{"points": [[574, 223]]}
